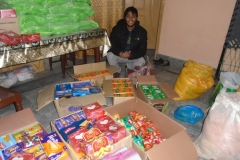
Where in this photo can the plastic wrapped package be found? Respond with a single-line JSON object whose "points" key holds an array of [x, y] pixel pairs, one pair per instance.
{"points": [[31, 20], [220, 134], [7, 79], [194, 80], [26, 9], [49, 3], [142, 68], [24, 1], [24, 73], [229, 82]]}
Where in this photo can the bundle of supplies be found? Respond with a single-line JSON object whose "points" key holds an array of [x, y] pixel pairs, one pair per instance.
{"points": [[32, 143], [122, 88]]}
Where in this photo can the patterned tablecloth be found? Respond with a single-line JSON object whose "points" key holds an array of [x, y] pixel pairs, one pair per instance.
{"points": [[54, 46]]}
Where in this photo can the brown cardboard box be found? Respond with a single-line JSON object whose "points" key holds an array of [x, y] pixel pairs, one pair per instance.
{"points": [[178, 145], [127, 142], [10, 24], [18, 121], [46, 96], [93, 67], [107, 88], [151, 80]]}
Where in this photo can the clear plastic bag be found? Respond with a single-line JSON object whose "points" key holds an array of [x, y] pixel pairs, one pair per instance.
{"points": [[188, 113], [145, 68], [220, 134]]}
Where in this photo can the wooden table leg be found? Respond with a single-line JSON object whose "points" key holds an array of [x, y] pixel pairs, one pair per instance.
{"points": [[63, 61], [97, 54], [50, 63], [18, 102], [85, 56]]}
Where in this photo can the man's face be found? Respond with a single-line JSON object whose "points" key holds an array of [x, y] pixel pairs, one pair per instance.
{"points": [[131, 19]]}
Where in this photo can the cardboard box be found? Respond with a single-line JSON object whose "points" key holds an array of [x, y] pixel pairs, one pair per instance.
{"points": [[64, 106], [10, 24], [107, 89], [127, 142], [151, 80], [178, 145], [18, 121], [93, 67]]}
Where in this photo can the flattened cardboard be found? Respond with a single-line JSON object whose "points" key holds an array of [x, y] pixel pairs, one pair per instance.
{"points": [[17, 121], [127, 142], [150, 80], [178, 144], [93, 67], [107, 88], [46, 96]]}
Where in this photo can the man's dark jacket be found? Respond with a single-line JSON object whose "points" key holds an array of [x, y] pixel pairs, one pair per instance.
{"points": [[119, 36]]}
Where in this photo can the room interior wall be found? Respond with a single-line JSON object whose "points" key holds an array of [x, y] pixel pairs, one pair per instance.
{"points": [[195, 29]]}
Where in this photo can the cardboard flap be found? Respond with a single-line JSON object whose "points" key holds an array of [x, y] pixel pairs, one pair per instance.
{"points": [[168, 90], [107, 88], [17, 121], [45, 97], [91, 67], [146, 79], [178, 147], [112, 69]]}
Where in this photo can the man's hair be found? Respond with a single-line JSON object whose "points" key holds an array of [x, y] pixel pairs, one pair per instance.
{"points": [[131, 9]]}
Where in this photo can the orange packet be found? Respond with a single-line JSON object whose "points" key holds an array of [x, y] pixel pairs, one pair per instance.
{"points": [[121, 81], [120, 90], [102, 73], [123, 95], [122, 85]]}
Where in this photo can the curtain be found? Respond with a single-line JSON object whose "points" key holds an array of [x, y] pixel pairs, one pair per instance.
{"points": [[107, 13]]}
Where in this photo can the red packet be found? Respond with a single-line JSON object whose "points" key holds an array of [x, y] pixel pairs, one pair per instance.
{"points": [[118, 132], [10, 38], [76, 138], [22, 155], [94, 111], [8, 13], [104, 123], [29, 38]]}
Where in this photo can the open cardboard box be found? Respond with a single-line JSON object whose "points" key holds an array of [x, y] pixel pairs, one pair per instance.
{"points": [[63, 106], [127, 142], [107, 89], [178, 145], [18, 121], [151, 80], [93, 67]]}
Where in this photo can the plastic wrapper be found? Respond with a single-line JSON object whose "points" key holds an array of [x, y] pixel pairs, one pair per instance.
{"points": [[220, 134], [24, 73], [194, 80], [31, 20], [8, 79], [144, 68]]}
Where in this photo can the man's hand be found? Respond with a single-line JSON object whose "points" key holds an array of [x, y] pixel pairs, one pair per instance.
{"points": [[125, 54]]}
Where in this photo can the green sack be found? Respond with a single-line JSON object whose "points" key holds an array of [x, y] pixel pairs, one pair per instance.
{"points": [[59, 18], [49, 3], [29, 2]]}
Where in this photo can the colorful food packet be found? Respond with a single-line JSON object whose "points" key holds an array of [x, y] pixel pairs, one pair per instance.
{"points": [[122, 90], [123, 95]]}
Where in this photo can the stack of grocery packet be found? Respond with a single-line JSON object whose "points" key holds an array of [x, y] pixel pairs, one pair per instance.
{"points": [[52, 17]]}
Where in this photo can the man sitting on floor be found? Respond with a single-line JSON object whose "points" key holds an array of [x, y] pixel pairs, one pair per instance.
{"points": [[128, 40]]}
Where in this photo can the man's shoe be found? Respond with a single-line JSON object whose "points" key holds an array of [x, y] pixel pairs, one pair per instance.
{"points": [[116, 75], [158, 60], [162, 63]]}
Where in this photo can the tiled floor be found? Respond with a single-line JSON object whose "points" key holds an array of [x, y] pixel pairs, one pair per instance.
{"points": [[29, 90]]}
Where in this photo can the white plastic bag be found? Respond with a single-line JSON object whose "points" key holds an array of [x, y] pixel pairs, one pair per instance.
{"points": [[24, 73], [219, 139], [230, 80]]}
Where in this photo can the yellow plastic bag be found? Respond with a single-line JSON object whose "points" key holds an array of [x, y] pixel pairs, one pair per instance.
{"points": [[194, 80]]}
